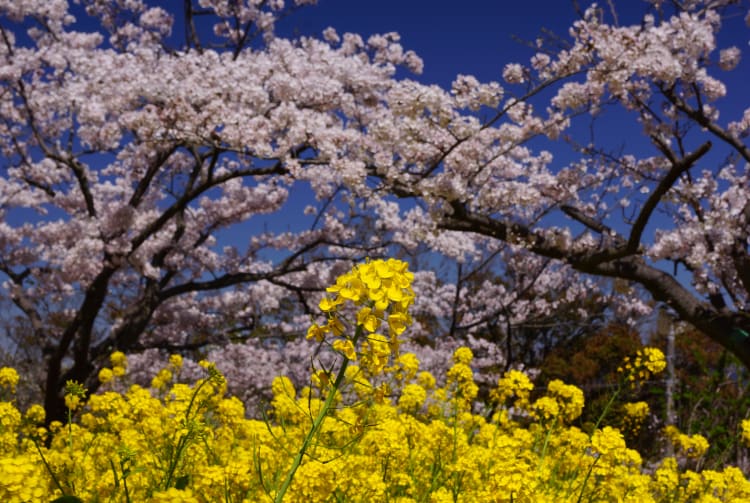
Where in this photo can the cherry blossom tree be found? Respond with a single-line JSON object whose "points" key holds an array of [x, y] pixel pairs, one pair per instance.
{"points": [[137, 150]]}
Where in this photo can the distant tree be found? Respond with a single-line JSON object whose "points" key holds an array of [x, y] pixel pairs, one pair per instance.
{"points": [[711, 396], [591, 362]]}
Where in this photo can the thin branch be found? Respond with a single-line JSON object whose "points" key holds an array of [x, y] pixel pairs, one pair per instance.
{"points": [[678, 168]]}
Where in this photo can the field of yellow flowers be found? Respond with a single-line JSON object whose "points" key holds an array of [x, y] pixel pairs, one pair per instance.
{"points": [[374, 428]]}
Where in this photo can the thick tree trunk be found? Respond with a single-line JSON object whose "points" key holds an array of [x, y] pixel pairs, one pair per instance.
{"points": [[78, 335]]}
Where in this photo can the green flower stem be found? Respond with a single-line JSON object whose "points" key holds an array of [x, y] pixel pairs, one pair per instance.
{"points": [[606, 409], [586, 480], [47, 466], [185, 439], [318, 422], [546, 443]]}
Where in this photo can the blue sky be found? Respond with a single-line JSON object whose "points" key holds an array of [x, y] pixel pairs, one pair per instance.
{"points": [[469, 36]]}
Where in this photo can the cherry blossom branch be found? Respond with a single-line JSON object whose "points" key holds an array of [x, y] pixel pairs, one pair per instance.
{"points": [[191, 34], [665, 184], [701, 119], [719, 325], [75, 166]]}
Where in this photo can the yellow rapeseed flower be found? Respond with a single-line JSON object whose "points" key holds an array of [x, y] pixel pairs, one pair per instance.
{"points": [[653, 359], [376, 351], [161, 379], [411, 450], [545, 408], [118, 359], [426, 380], [346, 348], [8, 378], [745, 427], [75, 392], [463, 355], [367, 319], [568, 397], [634, 414], [412, 397], [316, 332], [173, 495], [175, 361], [106, 375], [692, 446], [647, 361], [513, 383], [327, 304], [35, 414], [72, 401], [405, 366], [378, 286], [607, 441]]}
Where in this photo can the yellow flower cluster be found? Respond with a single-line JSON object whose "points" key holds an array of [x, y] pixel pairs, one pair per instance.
{"points": [[647, 361], [513, 384], [692, 446], [8, 378], [194, 444], [119, 366], [634, 414], [460, 379], [670, 484], [569, 399], [75, 394], [381, 291], [745, 432]]}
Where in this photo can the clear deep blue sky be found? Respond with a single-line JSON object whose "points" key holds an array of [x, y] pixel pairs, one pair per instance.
{"points": [[466, 36]]}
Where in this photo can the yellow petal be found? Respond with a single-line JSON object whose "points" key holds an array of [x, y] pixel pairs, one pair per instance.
{"points": [[327, 305], [345, 347]]}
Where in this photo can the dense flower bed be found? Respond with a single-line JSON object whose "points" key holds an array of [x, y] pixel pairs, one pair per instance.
{"points": [[375, 428], [409, 441]]}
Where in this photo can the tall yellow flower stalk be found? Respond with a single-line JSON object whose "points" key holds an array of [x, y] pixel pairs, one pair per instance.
{"points": [[381, 291]]}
